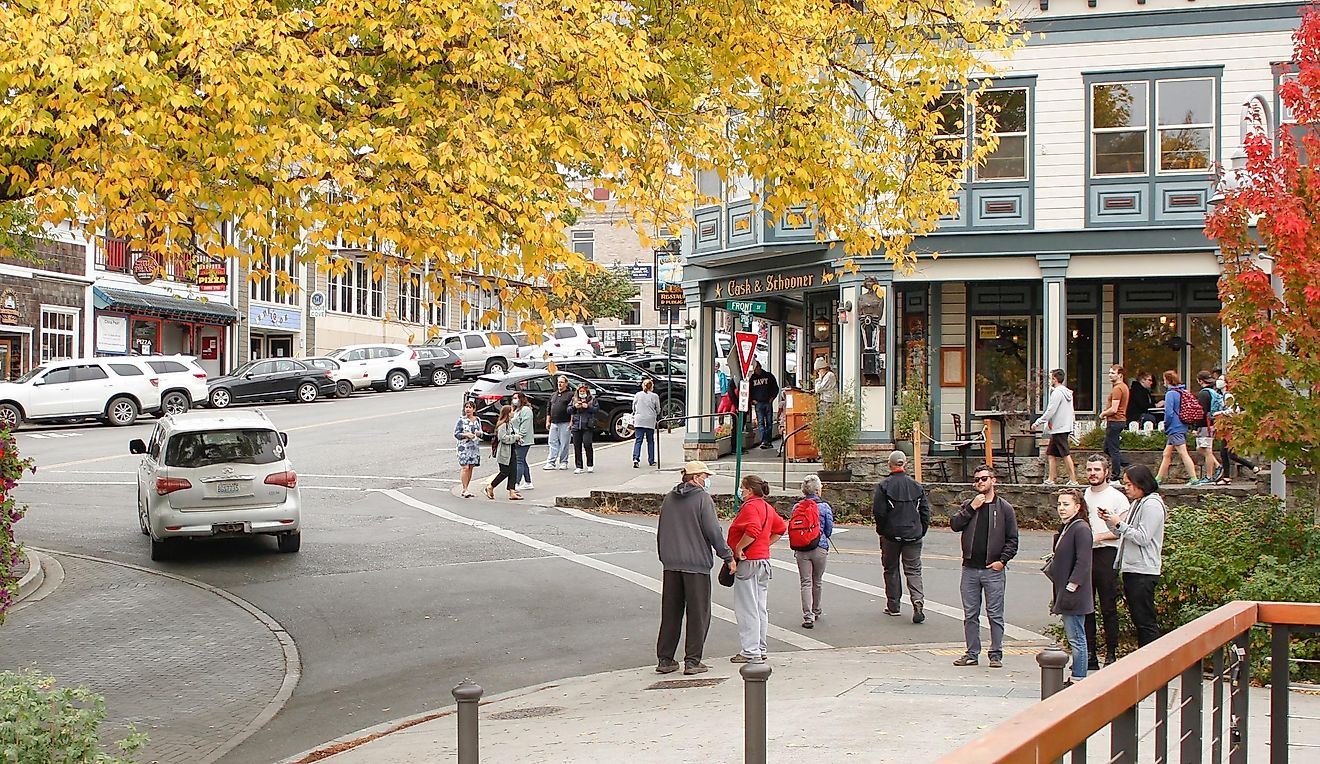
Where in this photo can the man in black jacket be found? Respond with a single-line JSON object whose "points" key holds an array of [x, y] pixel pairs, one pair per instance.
{"points": [[989, 540], [764, 390], [902, 517]]}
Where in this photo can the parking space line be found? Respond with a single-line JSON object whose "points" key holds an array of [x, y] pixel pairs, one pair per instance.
{"points": [[646, 582], [1016, 632]]}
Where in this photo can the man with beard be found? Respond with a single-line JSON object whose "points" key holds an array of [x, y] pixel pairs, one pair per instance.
{"points": [[1104, 548]]}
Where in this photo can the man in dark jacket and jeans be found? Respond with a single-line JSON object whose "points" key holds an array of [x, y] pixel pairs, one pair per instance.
{"points": [[989, 540], [902, 517], [687, 533], [764, 389]]}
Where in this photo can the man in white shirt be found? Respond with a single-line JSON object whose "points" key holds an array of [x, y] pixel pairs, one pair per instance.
{"points": [[1100, 494]]}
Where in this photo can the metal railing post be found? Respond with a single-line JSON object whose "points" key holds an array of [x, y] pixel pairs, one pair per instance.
{"points": [[1280, 639], [1238, 695], [1123, 737], [468, 694], [1191, 715], [1051, 660], [755, 676]]}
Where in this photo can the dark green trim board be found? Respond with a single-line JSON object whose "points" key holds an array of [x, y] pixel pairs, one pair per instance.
{"points": [[1192, 21], [1076, 242]]}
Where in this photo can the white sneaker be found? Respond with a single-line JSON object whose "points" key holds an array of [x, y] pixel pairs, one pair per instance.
{"points": [[548, 466], [525, 486], [591, 469], [577, 471], [563, 465]]}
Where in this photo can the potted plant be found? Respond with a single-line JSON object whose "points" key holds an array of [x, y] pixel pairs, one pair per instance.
{"points": [[724, 439], [835, 431], [912, 408]]}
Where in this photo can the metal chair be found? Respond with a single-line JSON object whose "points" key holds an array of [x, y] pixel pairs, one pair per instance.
{"points": [[963, 440]]}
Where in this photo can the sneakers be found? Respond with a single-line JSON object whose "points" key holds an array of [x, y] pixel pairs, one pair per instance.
{"points": [[698, 668], [918, 614], [807, 624], [666, 667], [996, 661], [591, 469], [1047, 481], [1116, 484], [892, 609], [1072, 483], [563, 465], [525, 485], [577, 471], [966, 660], [1219, 473], [740, 658], [548, 466], [635, 464]]}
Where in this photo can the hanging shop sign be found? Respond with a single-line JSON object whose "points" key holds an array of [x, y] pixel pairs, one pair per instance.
{"points": [[145, 268], [272, 317], [9, 308], [212, 277], [751, 287], [669, 277]]}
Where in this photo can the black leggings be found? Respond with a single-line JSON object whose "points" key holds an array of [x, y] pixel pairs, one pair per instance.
{"points": [[508, 471], [1226, 457], [1104, 579], [582, 440]]}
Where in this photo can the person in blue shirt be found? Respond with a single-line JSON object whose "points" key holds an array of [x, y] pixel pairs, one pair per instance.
{"points": [[1175, 430], [811, 564]]}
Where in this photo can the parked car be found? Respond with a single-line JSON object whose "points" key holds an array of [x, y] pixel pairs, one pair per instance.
{"points": [[481, 352], [490, 392], [624, 378], [182, 382], [565, 341], [343, 377], [114, 390], [386, 367], [438, 366], [216, 475], [269, 380], [660, 365]]}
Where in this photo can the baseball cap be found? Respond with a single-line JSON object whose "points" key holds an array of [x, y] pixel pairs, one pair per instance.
{"points": [[696, 468]]}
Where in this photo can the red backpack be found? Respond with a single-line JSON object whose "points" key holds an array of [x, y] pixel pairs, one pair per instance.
{"points": [[1190, 411], [804, 526]]}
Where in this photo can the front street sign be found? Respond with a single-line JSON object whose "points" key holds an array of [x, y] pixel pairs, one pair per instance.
{"points": [[745, 306]]}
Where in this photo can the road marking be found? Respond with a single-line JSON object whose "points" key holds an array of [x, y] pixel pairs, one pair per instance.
{"points": [[379, 477], [646, 582], [51, 434], [1016, 632]]}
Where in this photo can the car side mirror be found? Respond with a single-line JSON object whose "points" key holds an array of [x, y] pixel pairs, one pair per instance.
{"points": [[39, 382], [284, 439], [136, 446], [248, 375]]}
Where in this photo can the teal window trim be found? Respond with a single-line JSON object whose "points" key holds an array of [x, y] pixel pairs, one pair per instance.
{"points": [[1014, 198]]}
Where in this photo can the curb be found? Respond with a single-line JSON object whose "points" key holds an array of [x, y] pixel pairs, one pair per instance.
{"points": [[33, 579], [292, 662]]}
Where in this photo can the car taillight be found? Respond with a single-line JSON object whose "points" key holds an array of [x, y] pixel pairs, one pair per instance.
{"points": [[490, 397], [413, 357], [288, 479], [458, 362], [155, 382], [200, 375], [166, 485], [327, 374]]}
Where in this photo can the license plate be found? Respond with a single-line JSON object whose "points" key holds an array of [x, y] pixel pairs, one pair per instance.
{"points": [[227, 528], [228, 488]]}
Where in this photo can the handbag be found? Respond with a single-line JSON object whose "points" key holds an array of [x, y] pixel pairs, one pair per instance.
{"points": [[725, 576]]}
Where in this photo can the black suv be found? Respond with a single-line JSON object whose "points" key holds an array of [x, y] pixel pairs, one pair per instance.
{"points": [[490, 392], [438, 365]]}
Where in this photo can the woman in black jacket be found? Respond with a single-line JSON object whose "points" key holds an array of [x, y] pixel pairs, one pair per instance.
{"points": [[1070, 571], [582, 424]]}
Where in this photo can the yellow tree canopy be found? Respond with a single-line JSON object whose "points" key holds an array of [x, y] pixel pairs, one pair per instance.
{"points": [[453, 135]]}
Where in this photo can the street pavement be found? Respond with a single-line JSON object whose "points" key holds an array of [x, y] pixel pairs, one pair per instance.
{"points": [[402, 589]]}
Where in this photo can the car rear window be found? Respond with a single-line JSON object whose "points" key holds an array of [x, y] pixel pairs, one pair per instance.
{"points": [[128, 369], [191, 450], [486, 383], [164, 367], [590, 330], [564, 332]]}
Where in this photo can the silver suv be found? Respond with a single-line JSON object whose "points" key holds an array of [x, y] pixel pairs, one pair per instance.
{"points": [[481, 352], [216, 475]]}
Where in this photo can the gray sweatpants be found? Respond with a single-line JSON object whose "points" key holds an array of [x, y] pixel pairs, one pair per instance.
{"points": [[909, 554], [811, 569], [751, 606], [976, 581]]}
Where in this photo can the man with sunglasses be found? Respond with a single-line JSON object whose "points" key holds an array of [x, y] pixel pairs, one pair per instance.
{"points": [[989, 540]]}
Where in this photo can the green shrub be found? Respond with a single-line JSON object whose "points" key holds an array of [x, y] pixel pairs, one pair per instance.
{"points": [[40, 722], [1127, 441]]}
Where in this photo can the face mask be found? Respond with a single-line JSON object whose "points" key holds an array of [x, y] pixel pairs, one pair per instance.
{"points": [[582, 396], [1221, 383]]}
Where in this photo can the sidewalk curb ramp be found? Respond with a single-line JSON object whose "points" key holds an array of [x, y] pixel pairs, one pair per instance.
{"points": [[33, 579]]}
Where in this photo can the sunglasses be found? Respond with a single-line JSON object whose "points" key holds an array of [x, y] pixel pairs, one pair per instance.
{"points": [[981, 478]]}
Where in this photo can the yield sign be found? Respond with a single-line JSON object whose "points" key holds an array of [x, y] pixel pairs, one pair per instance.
{"points": [[746, 344]]}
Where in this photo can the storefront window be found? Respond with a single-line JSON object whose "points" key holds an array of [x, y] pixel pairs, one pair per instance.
{"points": [[146, 336], [1002, 359], [1149, 346], [1081, 363], [1205, 333]]}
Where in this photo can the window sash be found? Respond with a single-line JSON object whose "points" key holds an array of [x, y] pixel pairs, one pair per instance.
{"points": [[1205, 151], [59, 334], [1000, 164], [410, 298]]}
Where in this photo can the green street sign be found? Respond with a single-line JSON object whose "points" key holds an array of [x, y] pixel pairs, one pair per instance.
{"points": [[745, 306]]}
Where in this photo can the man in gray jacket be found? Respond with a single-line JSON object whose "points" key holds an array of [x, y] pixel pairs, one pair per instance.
{"points": [[1058, 421], [688, 531]]}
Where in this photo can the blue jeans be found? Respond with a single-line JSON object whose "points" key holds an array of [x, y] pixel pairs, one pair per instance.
{"points": [[523, 473], [647, 433], [560, 442], [1116, 460], [1075, 627], [765, 418]]}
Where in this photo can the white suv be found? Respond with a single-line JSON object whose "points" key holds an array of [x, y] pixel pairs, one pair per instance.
{"points": [[182, 382], [216, 475], [566, 341], [114, 390], [386, 367]]}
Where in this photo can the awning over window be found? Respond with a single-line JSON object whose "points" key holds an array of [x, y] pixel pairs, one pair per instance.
{"points": [[164, 306]]}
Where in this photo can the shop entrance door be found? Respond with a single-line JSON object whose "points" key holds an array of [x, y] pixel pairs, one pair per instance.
{"points": [[11, 357], [279, 347]]}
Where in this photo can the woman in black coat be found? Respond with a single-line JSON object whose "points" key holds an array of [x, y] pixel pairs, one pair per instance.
{"points": [[1070, 571]]}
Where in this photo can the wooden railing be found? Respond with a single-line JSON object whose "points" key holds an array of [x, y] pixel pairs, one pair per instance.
{"points": [[1064, 722]]}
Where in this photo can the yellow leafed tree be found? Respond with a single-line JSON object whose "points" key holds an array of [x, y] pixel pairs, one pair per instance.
{"points": [[454, 135]]}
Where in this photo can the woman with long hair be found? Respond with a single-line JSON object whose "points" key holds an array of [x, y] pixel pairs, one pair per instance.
{"points": [[467, 431], [756, 527], [1070, 572], [506, 437], [582, 425], [1140, 549], [522, 422], [646, 417]]}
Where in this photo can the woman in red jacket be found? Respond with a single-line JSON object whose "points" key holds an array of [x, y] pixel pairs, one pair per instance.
{"points": [[756, 527]]}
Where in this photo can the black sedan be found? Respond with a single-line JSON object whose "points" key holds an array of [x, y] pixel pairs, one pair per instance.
{"points": [[270, 380], [439, 365], [490, 393]]}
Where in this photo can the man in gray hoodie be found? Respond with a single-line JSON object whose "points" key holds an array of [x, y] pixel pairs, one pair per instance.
{"points": [[687, 533], [1058, 422]]}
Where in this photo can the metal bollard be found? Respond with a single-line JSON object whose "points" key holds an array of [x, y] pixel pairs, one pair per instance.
{"points": [[1052, 661], [468, 693], [755, 676]]}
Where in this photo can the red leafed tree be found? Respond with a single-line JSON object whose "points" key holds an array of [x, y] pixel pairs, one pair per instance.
{"points": [[1269, 225]]}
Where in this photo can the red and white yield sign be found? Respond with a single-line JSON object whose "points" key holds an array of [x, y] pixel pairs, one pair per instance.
{"points": [[746, 344]]}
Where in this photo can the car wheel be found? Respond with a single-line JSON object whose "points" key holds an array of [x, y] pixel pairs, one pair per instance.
{"points": [[497, 366], [161, 550], [396, 382], [220, 398], [440, 377], [175, 402], [289, 542], [121, 411], [343, 388], [142, 518], [307, 392], [619, 427], [10, 416]]}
